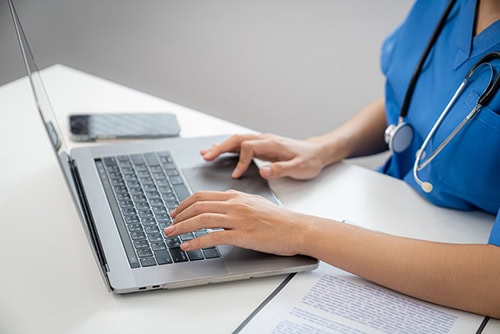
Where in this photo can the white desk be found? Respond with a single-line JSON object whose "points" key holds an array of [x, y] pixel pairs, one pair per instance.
{"points": [[51, 284]]}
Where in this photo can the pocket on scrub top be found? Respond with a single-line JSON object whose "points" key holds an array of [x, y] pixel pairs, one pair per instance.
{"points": [[469, 166]]}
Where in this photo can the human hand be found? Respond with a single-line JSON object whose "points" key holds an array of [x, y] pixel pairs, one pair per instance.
{"points": [[298, 159], [248, 221]]}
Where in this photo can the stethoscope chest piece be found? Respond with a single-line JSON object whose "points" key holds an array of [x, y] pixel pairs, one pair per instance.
{"points": [[399, 136]]}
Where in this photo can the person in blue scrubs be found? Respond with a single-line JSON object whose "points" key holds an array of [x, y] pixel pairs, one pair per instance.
{"points": [[465, 175]]}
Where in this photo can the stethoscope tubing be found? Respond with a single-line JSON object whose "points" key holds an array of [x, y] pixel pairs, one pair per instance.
{"points": [[420, 152], [399, 136]]}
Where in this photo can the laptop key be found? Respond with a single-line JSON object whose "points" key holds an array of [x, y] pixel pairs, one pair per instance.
{"points": [[122, 158], [136, 191], [137, 159], [147, 180], [172, 204], [123, 197], [163, 257], [173, 242], [164, 219], [134, 227], [144, 252], [143, 173], [195, 255], [159, 210], [126, 204], [129, 212], [155, 237], [152, 229], [156, 246], [120, 189], [211, 253], [186, 236], [145, 214], [151, 159], [148, 261], [133, 184], [132, 219], [137, 235], [115, 175], [170, 196], [149, 187], [109, 161], [141, 243], [152, 195], [178, 255], [148, 221], [176, 180], [142, 206], [172, 172], [164, 225], [200, 233], [156, 169], [182, 191]]}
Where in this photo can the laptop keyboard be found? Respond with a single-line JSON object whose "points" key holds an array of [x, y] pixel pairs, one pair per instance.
{"points": [[142, 189]]}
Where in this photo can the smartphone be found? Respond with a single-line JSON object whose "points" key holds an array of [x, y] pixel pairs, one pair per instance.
{"points": [[137, 125]]}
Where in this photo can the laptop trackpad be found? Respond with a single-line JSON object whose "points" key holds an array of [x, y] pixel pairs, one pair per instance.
{"points": [[216, 176]]}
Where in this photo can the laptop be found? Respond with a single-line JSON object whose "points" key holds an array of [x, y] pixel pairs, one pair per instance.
{"points": [[124, 192]]}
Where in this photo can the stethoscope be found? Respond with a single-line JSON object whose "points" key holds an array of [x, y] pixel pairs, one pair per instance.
{"points": [[399, 136]]}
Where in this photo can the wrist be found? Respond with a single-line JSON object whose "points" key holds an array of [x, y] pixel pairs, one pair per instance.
{"points": [[331, 148], [307, 232]]}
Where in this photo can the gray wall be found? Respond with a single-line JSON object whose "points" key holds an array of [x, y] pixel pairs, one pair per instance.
{"points": [[292, 67]]}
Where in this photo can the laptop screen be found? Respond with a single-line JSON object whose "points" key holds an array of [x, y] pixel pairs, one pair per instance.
{"points": [[40, 94]]}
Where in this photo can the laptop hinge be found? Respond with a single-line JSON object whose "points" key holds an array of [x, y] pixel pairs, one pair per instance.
{"points": [[91, 230]]}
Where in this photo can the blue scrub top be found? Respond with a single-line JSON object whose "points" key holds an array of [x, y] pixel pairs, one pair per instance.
{"points": [[466, 174]]}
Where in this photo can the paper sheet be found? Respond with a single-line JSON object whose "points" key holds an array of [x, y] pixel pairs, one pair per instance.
{"points": [[329, 300]]}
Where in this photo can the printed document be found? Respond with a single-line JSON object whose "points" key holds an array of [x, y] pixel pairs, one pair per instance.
{"points": [[329, 300]]}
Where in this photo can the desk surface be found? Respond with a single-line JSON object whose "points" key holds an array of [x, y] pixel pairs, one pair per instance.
{"points": [[53, 284]]}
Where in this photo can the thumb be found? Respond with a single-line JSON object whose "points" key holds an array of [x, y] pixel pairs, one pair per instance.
{"points": [[278, 169], [295, 168]]}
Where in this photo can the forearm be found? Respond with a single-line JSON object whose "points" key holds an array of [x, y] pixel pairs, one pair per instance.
{"points": [[461, 276], [363, 134]]}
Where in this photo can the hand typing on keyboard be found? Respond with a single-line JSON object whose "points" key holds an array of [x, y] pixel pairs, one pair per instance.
{"points": [[248, 221]]}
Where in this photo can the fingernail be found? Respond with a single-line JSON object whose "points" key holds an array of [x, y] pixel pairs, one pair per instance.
{"points": [[172, 213], [207, 153], [168, 230], [266, 171], [235, 174]]}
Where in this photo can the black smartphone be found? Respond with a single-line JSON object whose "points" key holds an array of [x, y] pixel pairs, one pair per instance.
{"points": [[137, 125]]}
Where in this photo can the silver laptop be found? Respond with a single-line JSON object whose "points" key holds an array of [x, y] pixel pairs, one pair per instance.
{"points": [[124, 192]]}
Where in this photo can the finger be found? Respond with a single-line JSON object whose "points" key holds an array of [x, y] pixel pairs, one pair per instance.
{"points": [[232, 144], [210, 240], [245, 159], [278, 169], [200, 208], [282, 168], [294, 168], [199, 197], [200, 222], [262, 148]]}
